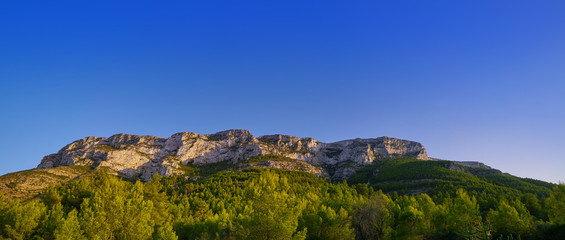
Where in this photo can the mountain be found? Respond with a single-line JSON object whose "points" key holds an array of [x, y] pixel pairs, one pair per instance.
{"points": [[385, 163], [233, 185], [140, 157], [389, 164]]}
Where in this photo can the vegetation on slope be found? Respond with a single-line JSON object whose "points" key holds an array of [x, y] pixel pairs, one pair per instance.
{"points": [[408, 176], [24, 185], [274, 204]]}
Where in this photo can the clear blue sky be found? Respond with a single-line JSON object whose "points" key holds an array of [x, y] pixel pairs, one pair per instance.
{"points": [[471, 80]]}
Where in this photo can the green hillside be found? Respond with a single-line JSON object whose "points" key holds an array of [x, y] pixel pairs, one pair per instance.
{"points": [[411, 176], [222, 201]]}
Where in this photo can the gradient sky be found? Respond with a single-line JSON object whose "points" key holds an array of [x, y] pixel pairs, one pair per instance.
{"points": [[471, 80]]}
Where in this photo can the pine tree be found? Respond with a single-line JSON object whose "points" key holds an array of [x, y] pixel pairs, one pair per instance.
{"points": [[555, 205], [373, 219], [273, 213], [165, 232], [511, 218], [70, 229], [21, 220]]}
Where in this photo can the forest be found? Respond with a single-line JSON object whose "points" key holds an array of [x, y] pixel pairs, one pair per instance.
{"points": [[278, 204]]}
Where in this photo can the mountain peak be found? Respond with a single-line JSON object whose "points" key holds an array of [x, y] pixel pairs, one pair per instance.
{"points": [[140, 157], [237, 135]]}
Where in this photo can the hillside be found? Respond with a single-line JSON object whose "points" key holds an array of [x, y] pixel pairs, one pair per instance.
{"points": [[140, 157], [262, 203], [412, 176], [231, 185], [25, 185], [389, 164]]}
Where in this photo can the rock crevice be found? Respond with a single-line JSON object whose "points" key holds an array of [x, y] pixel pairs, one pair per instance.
{"points": [[140, 157]]}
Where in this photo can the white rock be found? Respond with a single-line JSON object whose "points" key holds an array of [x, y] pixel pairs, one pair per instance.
{"points": [[140, 157]]}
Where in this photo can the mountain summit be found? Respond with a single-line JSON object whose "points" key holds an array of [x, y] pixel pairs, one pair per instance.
{"points": [[140, 157]]}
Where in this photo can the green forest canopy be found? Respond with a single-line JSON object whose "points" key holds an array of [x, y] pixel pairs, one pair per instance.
{"points": [[279, 204]]}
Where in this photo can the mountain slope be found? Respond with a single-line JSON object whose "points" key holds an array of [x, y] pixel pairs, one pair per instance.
{"points": [[231, 185], [24, 185], [412, 176], [260, 203], [390, 164], [140, 157]]}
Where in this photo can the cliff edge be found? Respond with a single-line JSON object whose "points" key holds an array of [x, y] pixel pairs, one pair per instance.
{"points": [[140, 157]]}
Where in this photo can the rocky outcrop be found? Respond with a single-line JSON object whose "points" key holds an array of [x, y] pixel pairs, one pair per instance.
{"points": [[284, 163], [140, 157], [476, 168], [343, 158], [473, 164]]}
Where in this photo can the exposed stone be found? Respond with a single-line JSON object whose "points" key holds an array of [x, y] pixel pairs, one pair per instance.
{"points": [[140, 157], [473, 164], [295, 165]]}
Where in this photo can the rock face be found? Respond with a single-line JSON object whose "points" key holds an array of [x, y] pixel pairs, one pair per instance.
{"points": [[140, 157]]}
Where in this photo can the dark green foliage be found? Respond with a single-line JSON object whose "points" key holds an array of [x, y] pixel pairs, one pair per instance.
{"points": [[365, 174], [70, 228], [411, 176], [12, 184], [373, 219], [262, 158], [165, 232], [280, 204], [477, 231], [523, 185], [208, 169], [407, 175], [555, 205], [20, 221], [106, 148], [511, 218]]}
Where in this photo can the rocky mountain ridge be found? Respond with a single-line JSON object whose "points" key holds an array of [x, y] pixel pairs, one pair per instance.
{"points": [[140, 157]]}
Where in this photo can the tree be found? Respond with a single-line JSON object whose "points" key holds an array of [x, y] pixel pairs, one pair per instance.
{"points": [[117, 209], [373, 219], [18, 220], [533, 205], [153, 191], [326, 223], [507, 219], [94, 220], [70, 229], [165, 232], [555, 205], [51, 197], [136, 220], [272, 211], [409, 218], [51, 221], [462, 212]]}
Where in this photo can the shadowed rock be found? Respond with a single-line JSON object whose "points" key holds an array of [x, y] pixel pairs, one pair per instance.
{"points": [[140, 157]]}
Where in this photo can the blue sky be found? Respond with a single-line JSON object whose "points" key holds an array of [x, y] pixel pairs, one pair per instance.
{"points": [[471, 80]]}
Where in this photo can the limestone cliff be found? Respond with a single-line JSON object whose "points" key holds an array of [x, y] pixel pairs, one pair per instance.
{"points": [[140, 157]]}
